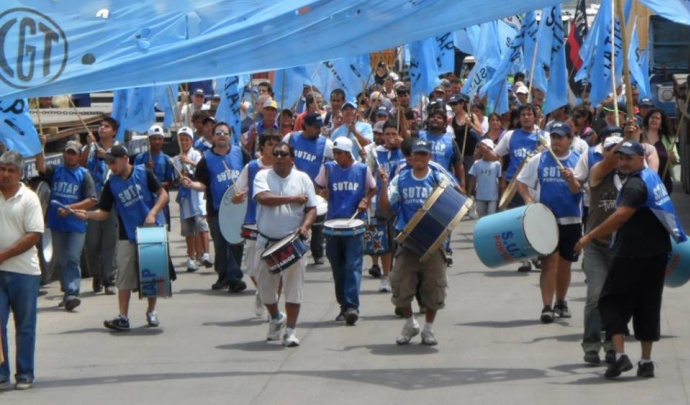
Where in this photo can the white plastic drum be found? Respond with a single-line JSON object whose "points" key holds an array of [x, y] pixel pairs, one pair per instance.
{"points": [[321, 206], [231, 217]]}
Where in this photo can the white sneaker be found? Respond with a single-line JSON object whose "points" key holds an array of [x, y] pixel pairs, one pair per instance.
{"points": [[428, 338], [191, 265], [206, 260], [290, 339], [408, 332], [385, 285], [259, 308], [275, 326]]}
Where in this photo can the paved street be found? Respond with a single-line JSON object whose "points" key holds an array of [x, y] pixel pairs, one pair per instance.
{"points": [[211, 349]]}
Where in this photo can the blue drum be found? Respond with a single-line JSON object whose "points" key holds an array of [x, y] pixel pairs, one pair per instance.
{"points": [[152, 248], [376, 237], [285, 253], [431, 225], [343, 227], [516, 235], [678, 268]]}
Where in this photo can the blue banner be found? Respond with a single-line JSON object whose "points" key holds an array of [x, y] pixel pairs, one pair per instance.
{"points": [[638, 61], [17, 130], [551, 54], [288, 85], [423, 69], [229, 106]]}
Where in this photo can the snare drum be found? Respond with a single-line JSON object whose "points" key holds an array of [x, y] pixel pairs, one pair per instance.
{"points": [[152, 247], [516, 235], [376, 237], [321, 210], [432, 224], [284, 253], [344, 227], [250, 231]]}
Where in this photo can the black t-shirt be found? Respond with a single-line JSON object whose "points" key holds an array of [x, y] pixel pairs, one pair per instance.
{"points": [[643, 235], [472, 138], [202, 175], [107, 200]]}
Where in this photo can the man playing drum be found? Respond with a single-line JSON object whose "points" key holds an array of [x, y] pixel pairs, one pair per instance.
{"points": [[350, 187], [556, 188], [407, 193], [139, 198], [286, 203]]}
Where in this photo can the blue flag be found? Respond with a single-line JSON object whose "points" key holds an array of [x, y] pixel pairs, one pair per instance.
{"points": [[165, 99], [348, 74], [134, 110], [602, 56], [119, 112], [288, 85], [488, 56], [551, 54], [638, 62], [423, 69], [445, 52], [17, 130], [229, 106]]}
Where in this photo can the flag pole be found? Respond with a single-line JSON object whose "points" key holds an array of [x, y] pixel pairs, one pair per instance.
{"points": [[614, 5], [531, 73], [626, 67]]}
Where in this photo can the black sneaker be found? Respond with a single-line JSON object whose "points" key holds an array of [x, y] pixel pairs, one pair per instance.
{"points": [[526, 267], [71, 304], [592, 357], [340, 317], [97, 286], [398, 312], [351, 316], [318, 261], [537, 263], [618, 366], [237, 286], [375, 271], [547, 314], [119, 323], [610, 357], [561, 309], [221, 284], [645, 370]]}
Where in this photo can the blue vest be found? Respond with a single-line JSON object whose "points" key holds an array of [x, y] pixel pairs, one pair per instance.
{"points": [[413, 194], [309, 153], [554, 191], [346, 188], [220, 178], [441, 148], [521, 144], [200, 145], [435, 167], [593, 157], [252, 169], [66, 187], [162, 166], [134, 200], [660, 203]]}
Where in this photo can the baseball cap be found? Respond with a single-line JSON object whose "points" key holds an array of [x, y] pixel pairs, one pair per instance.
{"points": [[488, 143], [271, 104], [314, 120], [611, 130], [439, 89], [457, 98], [116, 152], [350, 104], [621, 108], [421, 145], [155, 130], [646, 102], [343, 144], [199, 92], [612, 141], [74, 146], [561, 128], [382, 110], [186, 131], [631, 148], [522, 90], [209, 118], [378, 127], [216, 96]]}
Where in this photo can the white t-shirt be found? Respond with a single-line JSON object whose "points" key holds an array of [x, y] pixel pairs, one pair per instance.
{"points": [[278, 222], [195, 205], [20, 215]]}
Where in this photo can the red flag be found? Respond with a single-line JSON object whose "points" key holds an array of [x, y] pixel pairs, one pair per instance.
{"points": [[578, 31]]}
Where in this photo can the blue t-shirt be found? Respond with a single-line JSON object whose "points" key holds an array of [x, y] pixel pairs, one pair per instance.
{"points": [[487, 175], [364, 129]]}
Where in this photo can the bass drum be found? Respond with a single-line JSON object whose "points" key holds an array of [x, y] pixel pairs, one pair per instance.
{"points": [[45, 246]]}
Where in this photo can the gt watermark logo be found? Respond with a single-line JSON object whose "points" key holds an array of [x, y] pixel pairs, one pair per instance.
{"points": [[33, 48]]}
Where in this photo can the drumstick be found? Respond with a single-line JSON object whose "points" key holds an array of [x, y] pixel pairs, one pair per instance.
{"points": [[61, 205], [230, 175], [172, 162], [543, 142]]}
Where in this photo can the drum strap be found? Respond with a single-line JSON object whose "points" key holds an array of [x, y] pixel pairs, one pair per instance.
{"points": [[270, 241]]}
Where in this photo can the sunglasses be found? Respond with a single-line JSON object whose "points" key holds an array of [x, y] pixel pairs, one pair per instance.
{"points": [[281, 153], [222, 133]]}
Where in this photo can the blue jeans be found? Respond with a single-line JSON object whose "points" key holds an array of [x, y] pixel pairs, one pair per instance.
{"points": [[596, 264], [227, 257], [345, 255], [67, 247], [19, 293]]}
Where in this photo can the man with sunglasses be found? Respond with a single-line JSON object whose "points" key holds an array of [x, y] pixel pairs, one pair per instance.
{"points": [[217, 170], [286, 203]]}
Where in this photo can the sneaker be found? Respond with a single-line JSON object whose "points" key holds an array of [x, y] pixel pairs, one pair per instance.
{"points": [[562, 310], [23, 384], [526, 267], [110, 290], [408, 332], [119, 323], [259, 308], [61, 304], [290, 339], [152, 319], [547, 314], [351, 316], [72, 303], [592, 357], [275, 326], [610, 357], [422, 309], [237, 286], [206, 260], [385, 285], [428, 338], [618, 366], [340, 317], [318, 260], [537, 262], [375, 271], [221, 284], [191, 265], [645, 370], [97, 286], [398, 312]]}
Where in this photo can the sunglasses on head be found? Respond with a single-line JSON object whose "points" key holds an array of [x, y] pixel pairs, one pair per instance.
{"points": [[281, 153]]}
